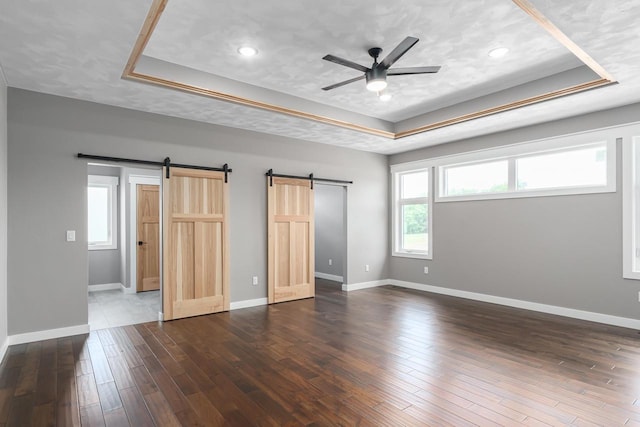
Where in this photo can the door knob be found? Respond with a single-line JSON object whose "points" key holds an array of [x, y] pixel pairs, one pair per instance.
{"points": [[140, 243]]}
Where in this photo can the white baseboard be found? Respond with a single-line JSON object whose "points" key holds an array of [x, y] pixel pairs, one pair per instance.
{"points": [[104, 287], [3, 349], [327, 276], [364, 285], [48, 334], [248, 303], [129, 290], [607, 319]]}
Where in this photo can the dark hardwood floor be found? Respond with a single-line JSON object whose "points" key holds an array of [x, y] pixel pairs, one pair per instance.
{"points": [[383, 356]]}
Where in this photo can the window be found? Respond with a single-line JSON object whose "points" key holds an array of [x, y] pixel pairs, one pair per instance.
{"points": [[489, 177], [577, 164], [631, 202], [412, 211], [102, 212]]}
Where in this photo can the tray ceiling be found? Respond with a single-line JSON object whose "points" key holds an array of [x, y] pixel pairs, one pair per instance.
{"points": [[79, 49]]}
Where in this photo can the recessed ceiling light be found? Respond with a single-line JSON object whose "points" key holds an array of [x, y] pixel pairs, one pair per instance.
{"points": [[247, 51], [384, 96], [498, 52]]}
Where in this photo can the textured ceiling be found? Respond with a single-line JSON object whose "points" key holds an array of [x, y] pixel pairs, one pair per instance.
{"points": [[458, 35], [79, 49]]}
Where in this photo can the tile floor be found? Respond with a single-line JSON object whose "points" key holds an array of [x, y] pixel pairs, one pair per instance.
{"points": [[115, 308]]}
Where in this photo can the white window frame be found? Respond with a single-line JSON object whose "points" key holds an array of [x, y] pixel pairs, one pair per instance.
{"points": [[522, 150], [631, 202], [396, 223], [111, 183]]}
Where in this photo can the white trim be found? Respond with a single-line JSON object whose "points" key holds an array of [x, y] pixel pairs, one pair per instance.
{"points": [[133, 223], [590, 316], [439, 160], [629, 225], [3, 349], [3, 77], [364, 285], [327, 276], [396, 222], [104, 287], [550, 146], [48, 334], [608, 319], [111, 183], [129, 290], [160, 316], [144, 179], [630, 188], [248, 303]]}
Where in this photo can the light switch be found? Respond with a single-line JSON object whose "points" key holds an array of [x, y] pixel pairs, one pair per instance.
{"points": [[71, 235]]}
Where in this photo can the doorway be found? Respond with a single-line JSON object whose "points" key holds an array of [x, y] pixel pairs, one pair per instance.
{"points": [[112, 270], [330, 205]]}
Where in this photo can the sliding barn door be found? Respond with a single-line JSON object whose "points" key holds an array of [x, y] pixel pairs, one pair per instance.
{"points": [[195, 242], [148, 229], [291, 240]]}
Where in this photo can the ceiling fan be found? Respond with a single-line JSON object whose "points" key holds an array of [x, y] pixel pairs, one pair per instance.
{"points": [[376, 76]]}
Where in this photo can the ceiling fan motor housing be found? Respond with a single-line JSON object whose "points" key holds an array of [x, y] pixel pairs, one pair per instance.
{"points": [[376, 74]]}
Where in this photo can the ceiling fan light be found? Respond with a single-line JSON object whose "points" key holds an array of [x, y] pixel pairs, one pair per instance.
{"points": [[376, 85], [376, 79], [384, 96]]}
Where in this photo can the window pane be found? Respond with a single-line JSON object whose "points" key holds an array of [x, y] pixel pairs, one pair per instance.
{"points": [[580, 167], [414, 184], [490, 177], [415, 231], [99, 212]]}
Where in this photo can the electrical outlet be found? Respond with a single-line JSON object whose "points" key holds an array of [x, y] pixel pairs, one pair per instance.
{"points": [[366, 267], [426, 270], [330, 261], [255, 280]]}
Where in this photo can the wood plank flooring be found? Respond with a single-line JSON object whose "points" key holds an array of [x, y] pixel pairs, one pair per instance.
{"points": [[377, 357]]}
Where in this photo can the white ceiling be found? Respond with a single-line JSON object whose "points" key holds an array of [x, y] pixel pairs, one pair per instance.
{"points": [[78, 49]]}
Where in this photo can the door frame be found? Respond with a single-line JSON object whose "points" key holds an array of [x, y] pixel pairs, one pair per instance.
{"points": [[345, 246], [134, 180]]}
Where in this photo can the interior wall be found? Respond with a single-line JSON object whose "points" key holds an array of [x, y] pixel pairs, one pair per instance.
{"points": [[104, 264], [3, 214], [45, 134], [562, 250], [330, 233]]}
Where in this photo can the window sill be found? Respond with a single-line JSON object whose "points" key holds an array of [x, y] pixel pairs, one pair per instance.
{"points": [[412, 255], [103, 247]]}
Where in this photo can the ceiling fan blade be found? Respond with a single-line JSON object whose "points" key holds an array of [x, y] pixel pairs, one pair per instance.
{"points": [[346, 63], [400, 50], [413, 70], [346, 82]]}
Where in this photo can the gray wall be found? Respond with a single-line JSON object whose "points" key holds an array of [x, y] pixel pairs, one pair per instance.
{"points": [[563, 250], [3, 211], [44, 134], [330, 236], [104, 264]]}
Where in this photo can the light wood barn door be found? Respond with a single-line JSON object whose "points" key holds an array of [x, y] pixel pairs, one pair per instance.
{"points": [[196, 261], [148, 230], [291, 240]]}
